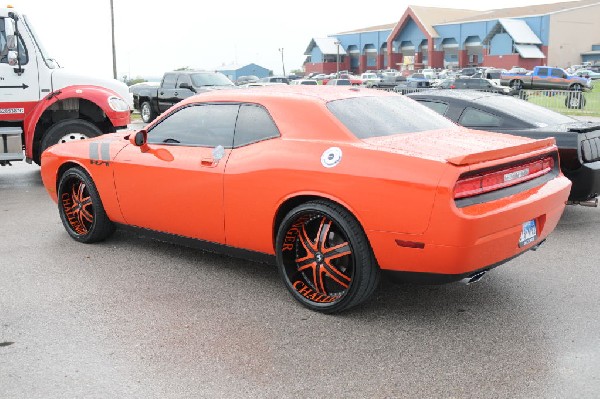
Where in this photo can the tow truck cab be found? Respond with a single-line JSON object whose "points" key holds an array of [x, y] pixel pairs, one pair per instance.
{"points": [[41, 103]]}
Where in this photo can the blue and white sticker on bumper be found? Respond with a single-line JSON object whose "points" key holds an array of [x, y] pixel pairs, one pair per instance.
{"points": [[528, 233]]}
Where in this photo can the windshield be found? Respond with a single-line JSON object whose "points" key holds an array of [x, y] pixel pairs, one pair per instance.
{"points": [[210, 79], [385, 116], [50, 62], [525, 111]]}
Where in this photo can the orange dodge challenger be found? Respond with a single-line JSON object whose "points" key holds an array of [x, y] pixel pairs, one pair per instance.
{"points": [[334, 184]]}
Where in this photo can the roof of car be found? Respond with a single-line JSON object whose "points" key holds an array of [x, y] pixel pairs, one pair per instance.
{"points": [[307, 92], [189, 71], [467, 95]]}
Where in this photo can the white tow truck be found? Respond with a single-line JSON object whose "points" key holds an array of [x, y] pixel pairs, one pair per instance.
{"points": [[42, 104]]}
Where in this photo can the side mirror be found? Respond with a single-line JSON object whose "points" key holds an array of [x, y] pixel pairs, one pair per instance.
{"points": [[186, 85], [13, 58], [10, 28], [140, 139]]}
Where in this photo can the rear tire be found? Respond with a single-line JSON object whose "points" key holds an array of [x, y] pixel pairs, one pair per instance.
{"points": [[146, 112], [516, 85], [324, 257], [80, 208]]}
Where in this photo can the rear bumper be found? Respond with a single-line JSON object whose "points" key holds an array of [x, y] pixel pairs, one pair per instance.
{"points": [[586, 181], [462, 241]]}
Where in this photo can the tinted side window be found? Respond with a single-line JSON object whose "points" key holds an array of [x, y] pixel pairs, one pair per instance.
{"points": [[557, 73], [472, 117], [197, 125], [253, 124], [543, 71], [169, 81], [184, 78], [440, 108]]}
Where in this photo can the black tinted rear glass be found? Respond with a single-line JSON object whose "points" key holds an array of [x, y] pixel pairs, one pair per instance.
{"points": [[525, 111], [385, 116]]}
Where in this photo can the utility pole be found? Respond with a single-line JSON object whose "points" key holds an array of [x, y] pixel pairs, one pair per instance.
{"points": [[337, 62], [112, 26], [282, 64]]}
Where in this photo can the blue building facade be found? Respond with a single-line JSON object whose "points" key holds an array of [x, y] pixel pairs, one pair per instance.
{"points": [[233, 72], [424, 38]]}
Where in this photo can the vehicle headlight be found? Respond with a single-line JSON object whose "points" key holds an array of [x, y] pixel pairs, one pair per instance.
{"points": [[117, 104]]}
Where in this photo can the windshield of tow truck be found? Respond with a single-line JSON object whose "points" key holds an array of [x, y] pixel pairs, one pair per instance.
{"points": [[50, 62]]}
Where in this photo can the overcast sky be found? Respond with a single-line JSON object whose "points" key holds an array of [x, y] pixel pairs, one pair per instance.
{"points": [[155, 36]]}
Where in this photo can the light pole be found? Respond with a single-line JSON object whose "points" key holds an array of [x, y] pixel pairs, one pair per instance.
{"points": [[337, 62], [114, 52], [282, 64]]}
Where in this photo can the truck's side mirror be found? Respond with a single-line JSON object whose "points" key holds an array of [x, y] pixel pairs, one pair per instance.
{"points": [[185, 85], [10, 28]]}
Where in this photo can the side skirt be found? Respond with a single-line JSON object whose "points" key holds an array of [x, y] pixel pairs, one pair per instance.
{"points": [[207, 246]]}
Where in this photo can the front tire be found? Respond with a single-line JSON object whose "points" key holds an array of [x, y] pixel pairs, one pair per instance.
{"points": [[146, 112], [80, 208], [68, 130], [324, 257]]}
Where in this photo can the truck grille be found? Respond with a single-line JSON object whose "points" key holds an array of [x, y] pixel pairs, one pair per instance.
{"points": [[590, 149]]}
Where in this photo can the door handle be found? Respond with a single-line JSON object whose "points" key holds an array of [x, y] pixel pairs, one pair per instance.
{"points": [[176, 93], [162, 92], [209, 162]]}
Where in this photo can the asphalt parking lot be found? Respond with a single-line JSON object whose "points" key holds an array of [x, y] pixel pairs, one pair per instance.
{"points": [[133, 318]]}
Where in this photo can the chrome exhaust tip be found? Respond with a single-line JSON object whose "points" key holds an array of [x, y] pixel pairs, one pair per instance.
{"points": [[473, 278], [536, 246], [592, 203]]}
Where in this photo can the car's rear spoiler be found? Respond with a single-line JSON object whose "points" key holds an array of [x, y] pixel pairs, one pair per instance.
{"points": [[500, 153]]}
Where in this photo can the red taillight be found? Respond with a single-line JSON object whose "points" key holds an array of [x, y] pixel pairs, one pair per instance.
{"points": [[453, 87], [484, 183]]}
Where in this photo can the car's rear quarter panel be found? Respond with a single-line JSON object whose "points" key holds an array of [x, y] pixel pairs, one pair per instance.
{"points": [[384, 192]]}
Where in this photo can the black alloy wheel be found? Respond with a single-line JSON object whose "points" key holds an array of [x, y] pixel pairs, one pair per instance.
{"points": [[324, 257], [80, 208]]}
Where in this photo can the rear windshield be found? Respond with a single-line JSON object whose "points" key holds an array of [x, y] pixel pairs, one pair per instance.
{"points": [[210, 79], [385, 116], [525, 111]]}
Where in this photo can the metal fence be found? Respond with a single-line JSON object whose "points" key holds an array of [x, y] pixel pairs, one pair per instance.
{"points": [[565, 101]]}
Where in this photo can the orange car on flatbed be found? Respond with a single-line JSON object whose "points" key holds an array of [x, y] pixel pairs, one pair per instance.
{"points": [[335, 185]]}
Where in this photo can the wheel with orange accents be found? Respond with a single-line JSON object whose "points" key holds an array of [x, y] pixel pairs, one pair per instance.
{"points": [[324, 257], [81, 209]]}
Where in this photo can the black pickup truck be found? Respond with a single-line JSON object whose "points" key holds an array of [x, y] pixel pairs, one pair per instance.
{"points": [[174, 87]]}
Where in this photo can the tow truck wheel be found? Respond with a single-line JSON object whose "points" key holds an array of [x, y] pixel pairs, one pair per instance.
{"points": [[80, 208], [69, 130], [147, 113]]}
